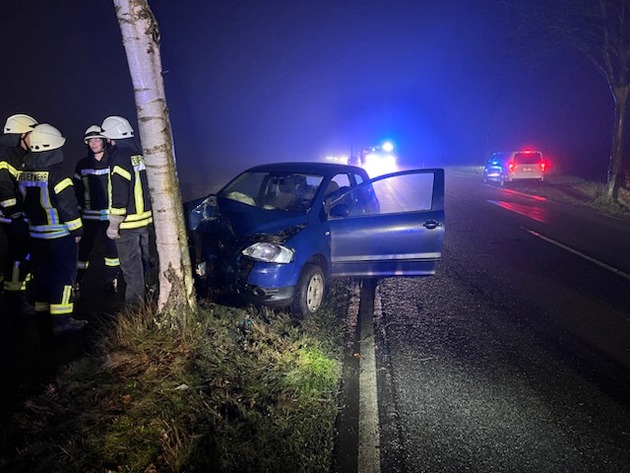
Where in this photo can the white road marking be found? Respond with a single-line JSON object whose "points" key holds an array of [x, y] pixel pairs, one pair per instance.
{"points": [[369, 460], [580, 254]]}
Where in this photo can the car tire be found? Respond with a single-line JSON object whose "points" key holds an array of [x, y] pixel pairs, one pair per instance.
{"points": [[309, 292]]}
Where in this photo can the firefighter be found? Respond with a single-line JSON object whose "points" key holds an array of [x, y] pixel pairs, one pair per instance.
{"points": [[14, 261], [55, 227], [91, 181], [130, 215]]}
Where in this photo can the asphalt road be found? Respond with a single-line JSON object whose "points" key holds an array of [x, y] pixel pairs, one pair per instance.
{"points": [[515, 357]]}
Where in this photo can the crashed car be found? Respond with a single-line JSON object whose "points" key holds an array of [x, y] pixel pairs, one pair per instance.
{"points": [[276, 233]]}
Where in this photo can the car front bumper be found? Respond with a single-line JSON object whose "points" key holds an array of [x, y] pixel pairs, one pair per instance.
{"points": [[252, 282]]}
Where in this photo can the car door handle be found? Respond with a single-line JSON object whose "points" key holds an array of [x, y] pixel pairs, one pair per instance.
{"points": [[431, 224]]}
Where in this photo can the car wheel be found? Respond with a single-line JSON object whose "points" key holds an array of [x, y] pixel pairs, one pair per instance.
{"points": [[309, 293]]}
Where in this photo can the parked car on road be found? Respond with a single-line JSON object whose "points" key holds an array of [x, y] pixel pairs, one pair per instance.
{"points": [[514, 166], [275, 234]]}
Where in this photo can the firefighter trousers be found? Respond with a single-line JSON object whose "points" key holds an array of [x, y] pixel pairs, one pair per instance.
{"points": [[93, 229], [54, 263], [16, 265], [135, 262]]}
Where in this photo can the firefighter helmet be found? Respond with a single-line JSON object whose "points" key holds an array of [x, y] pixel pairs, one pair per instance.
{"points": [[93, 131], [116, 128], [46, 137], [19, 123]]}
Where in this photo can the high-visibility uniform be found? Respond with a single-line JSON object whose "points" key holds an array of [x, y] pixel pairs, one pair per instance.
{"points": [[54, 222], [15, 265], [129, 198], [91, 181]]}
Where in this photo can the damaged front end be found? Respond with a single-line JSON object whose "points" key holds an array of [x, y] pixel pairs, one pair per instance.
{"points": [[233, 259]]}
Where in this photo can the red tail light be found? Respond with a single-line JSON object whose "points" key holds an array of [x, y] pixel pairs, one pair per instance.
{"points": [[510, 166], [543, 166]]}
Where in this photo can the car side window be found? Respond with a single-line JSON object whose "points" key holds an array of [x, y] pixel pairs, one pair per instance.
{"points": [[335, 187], [394, 194], [405, 193]]}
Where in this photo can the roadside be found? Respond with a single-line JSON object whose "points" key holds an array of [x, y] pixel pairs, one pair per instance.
{"points": [[234, 390], [566, 189], [227, 395]]}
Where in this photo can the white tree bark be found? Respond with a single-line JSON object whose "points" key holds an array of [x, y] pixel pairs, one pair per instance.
{"points": [[140, 35]]}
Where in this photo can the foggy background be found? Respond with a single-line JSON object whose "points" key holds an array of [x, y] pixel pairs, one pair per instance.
{"points": [[251, 82]]}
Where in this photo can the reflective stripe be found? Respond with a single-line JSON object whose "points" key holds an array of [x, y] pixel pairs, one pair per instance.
{"points": [[95, 214], [97, 172], [9, 202], [67, 306], [126, 225], [15, 286], [122, 172], [118, 212], [83, 264], [112, 262], [74, 224], [48, 232], [61, 309], [41, 306], [63, 184], [5, 165]]}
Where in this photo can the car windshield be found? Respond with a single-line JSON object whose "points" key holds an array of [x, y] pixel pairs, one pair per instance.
{"points": [[289, 191]]}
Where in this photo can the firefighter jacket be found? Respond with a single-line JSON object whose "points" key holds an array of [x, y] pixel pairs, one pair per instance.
{"points": [[91, 183], [11, 163], [50, 203], [129, 189]]}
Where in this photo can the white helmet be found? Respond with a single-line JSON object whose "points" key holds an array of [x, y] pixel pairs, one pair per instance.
{"points": [[116, 128], [46, 137], [19, 123], [93, 131]]}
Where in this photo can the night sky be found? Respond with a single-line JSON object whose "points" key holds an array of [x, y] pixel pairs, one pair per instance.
{"points": [[249, 82]]}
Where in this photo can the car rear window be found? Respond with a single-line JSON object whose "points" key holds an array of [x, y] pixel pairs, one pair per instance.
{"points": [[527, 158]]}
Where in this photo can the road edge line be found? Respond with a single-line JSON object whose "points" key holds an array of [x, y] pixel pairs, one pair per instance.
{"points": [[369, 458]]}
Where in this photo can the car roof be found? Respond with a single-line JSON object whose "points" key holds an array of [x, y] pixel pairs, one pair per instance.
{"points": [[308, 167]]}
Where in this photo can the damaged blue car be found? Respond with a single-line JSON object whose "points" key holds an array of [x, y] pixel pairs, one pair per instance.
{"points": [[276, 233]]}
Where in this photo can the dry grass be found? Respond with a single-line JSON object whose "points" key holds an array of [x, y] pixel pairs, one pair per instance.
{"points": [[227, 393]]}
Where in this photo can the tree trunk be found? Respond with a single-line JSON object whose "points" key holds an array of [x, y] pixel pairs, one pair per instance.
{"points": [[141, 38], [615, 163]]}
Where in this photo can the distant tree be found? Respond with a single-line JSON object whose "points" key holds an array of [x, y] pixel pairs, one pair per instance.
{"points": [[141, 39], [599, 29]]}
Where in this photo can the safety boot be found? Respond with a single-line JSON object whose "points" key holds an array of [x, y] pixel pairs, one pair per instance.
{"points": [[62, 325], [19, 303]]}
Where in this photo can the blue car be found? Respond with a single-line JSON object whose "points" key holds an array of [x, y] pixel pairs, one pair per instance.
{"points": [[276, 233]]}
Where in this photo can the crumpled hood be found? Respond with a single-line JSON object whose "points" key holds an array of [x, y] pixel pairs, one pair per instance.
{"points": [[10, 139], [44, 159], [246, 220]]}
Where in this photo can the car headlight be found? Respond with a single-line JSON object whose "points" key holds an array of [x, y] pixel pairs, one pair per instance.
{"points": [[269, 252]]}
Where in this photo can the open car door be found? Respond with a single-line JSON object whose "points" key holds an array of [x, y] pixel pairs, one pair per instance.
{"points": [[392, 225]]}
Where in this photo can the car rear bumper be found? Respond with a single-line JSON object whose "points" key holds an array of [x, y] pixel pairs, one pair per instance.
{"points": [[534, 176]]}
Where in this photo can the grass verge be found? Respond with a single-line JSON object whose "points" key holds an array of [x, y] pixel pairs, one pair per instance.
{"points": [[577, 191], [227, 393]]}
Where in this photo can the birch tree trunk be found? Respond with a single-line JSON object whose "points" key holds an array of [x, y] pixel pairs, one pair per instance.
{"points": [[140, 35]]}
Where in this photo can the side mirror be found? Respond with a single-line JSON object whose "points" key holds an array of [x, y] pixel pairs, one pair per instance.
{"points": [[206, 210]]}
